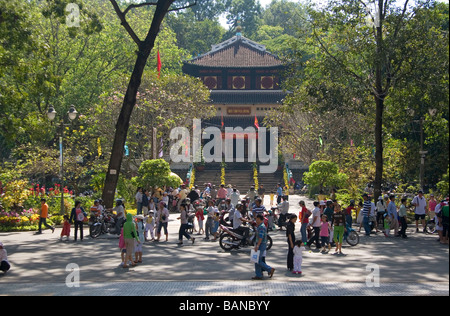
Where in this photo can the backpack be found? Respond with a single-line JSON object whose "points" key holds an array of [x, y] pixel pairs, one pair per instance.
{"points": [[80, 215]]}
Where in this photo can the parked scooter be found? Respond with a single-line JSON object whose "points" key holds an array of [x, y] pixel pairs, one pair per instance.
{"points": [[231, 240], [351, 236], [102, 225], [281, 220]]}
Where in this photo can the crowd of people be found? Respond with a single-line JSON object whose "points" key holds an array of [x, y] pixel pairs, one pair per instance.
{"points": [[324, 225]]}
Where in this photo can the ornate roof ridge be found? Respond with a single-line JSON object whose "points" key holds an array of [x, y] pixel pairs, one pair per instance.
{"points": [[236, 41]]}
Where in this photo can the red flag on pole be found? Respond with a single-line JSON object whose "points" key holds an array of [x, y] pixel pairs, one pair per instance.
{"points": [[159, 65], [256, 122]]}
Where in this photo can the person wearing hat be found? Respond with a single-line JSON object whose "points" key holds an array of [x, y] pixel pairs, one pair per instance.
{"points": [[420, 210], [4, 264], [140, 229], [150, 225], [238, 221], [130, 236], [120, 215]]}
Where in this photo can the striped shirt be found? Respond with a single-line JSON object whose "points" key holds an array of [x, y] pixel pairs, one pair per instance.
{"points": [[366, 208]]}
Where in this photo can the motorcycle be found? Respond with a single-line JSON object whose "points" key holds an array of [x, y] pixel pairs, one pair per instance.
{"points": [[190, 220], [101, 225], [351, 236], [280, 219], [231, 240], [431, 226]]}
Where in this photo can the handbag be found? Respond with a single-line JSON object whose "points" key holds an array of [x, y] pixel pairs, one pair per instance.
{"points": [[254, 256]]}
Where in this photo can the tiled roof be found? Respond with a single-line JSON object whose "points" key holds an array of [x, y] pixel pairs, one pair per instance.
{"points": [[247, 96], [237, 52]]}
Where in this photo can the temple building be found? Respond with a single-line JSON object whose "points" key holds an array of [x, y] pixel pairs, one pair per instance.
{"points": [[245, 83], [244, 80]]}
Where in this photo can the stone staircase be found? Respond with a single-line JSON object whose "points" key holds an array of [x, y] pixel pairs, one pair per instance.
{"points": [[240, 176], [270, 180], [207, 176]]}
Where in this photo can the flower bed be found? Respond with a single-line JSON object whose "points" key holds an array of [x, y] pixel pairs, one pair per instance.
{"points": [[25, 220]]}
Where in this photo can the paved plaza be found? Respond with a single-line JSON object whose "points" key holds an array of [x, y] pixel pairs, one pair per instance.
{"points": [[41, 265]]}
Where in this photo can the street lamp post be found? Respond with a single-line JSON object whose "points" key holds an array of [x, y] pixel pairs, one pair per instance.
{"points": [[422, 152], [72, 114]]}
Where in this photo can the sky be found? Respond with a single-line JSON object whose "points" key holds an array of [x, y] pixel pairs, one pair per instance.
{"points": [[264, 3]]}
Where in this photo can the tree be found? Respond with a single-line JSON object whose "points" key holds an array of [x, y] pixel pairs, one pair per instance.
{"points": [[157, 173], [205, 10], [195, 36], [363, 51], [324, 174], [162, 7], [173, 100], [248, 13]]}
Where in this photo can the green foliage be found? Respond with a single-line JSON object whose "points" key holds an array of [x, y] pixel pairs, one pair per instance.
{"points": [[324, 174], [157, 173], [443, 185]]}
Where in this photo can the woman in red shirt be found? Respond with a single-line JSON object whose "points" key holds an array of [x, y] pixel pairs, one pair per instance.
{"points": [[304, 219]]}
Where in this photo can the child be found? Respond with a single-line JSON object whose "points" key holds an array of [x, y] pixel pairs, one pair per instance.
{"points": [[271, 221], [151, 206], [66, 228], [215, 228], [140, 232], [298, 257], [325, 233], [150, 225], [122, 247], [402, 214], [339, 228], [272, 195], [4, 264], [387, 225], [200, 218]]}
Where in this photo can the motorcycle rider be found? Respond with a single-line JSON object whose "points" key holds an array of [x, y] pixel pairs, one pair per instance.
{"points": [[283, 208], [96, 209], [238, 220], [258, 208], [120, 215]]}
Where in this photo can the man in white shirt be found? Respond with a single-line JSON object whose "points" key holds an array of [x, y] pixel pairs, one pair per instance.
{"points": [[283, 209], [238, 220], [120, 215], [316, 226], [235, 197], [420, 211]]}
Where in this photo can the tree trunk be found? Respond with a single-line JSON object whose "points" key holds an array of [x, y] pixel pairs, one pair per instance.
{"points": [[378, 147], [123, 122], [379, 101], [122, 126]]}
